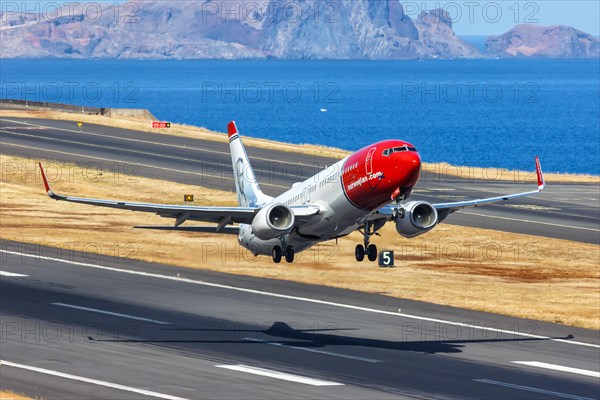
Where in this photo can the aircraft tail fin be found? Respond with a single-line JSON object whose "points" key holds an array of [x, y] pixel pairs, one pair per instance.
{"points": [[246, 185]]}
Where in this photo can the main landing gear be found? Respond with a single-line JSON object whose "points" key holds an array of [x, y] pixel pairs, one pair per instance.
{"points": [[370, 250], [278, 254]]}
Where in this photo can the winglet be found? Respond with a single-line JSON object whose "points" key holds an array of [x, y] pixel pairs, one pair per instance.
{"points": [[540, 175], [232, 129], [46, 184]]}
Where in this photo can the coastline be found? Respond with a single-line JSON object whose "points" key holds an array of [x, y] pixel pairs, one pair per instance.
{"points": [[188, 131]]}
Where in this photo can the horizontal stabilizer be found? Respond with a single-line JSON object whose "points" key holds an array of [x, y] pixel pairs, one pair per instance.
{"points": [[231, 230]]}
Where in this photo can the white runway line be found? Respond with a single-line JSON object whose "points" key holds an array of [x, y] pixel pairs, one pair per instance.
{"points": [[111, 313], [92, 381], [329, 353], [4, 273], [555, 367], [528, 221], [305, 299], [279, 375], [532, 389], [104, 135]]}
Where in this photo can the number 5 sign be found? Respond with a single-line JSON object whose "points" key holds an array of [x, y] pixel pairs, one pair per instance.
{"points": [[386, 258]]}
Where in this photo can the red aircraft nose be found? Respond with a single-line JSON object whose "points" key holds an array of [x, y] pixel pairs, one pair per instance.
{"points": [[410, 168]]}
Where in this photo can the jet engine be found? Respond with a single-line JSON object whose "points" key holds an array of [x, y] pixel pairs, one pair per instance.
{"points": [[273, 221], [418, 218]]}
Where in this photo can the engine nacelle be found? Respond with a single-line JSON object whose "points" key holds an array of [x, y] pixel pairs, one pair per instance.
{"points": [[273, 221], [419, 217]]}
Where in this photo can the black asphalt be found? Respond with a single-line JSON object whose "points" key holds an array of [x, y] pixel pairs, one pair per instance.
{"points": [[564, 211], [427, 351]]}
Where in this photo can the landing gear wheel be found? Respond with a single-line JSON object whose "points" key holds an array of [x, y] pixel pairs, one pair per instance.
{"points": [[372, 252], [276, 253], [359, 252], [397, 213], [289, 254]]}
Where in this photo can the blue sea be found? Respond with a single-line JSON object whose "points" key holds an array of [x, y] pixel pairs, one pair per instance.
{"points": [[498, 113]]}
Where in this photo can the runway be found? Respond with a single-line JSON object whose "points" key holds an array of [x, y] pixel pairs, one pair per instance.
{"points": [[85, 326], [564, 211]]}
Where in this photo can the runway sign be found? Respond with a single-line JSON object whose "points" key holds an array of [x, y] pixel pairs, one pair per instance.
{"points": [[386, 259], [188, 197]]}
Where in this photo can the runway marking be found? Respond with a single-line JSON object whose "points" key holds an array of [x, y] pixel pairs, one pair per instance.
{"points": [[111, 147], [279, 375], [111, 313], [5, 273], [303, 299], [559, 368], [136, 163], [147, 141], [27, 128], [532, 389], [531, 222], [92, 381], [190, 160], [532, 207], [329, 353]]}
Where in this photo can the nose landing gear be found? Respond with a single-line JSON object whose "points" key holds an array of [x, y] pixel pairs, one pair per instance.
{"points": [[398, 211]]}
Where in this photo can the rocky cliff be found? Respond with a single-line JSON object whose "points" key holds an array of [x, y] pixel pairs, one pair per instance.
{"points": [[233, 29], [556, 41]]}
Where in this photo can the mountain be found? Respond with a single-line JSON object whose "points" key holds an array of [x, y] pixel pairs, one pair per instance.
{"points": [[558, 41], [230, 29]]}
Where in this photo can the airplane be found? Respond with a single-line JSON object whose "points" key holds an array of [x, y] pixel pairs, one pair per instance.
{"points": [[361, 192]]}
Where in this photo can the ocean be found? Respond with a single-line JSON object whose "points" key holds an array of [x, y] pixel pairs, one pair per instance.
{"points": [[489, 113]]}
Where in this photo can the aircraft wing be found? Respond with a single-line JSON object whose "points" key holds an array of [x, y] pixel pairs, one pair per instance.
{"points": [[446, 208], [221, 215], [454, 206]]}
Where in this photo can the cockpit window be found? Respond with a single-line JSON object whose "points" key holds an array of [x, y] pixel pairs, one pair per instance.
{"points": [[387, 152]]}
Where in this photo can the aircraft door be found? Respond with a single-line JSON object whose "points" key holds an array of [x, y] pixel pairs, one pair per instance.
{"points": [[369, 161]]}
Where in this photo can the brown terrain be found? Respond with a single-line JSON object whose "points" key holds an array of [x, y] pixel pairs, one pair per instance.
{"points": [[8, 395]]}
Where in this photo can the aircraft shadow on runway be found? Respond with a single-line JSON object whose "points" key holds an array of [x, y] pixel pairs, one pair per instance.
{"points": [[283, 334]]}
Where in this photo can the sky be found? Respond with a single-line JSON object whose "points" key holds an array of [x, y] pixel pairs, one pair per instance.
{"points": [[473, 17]]}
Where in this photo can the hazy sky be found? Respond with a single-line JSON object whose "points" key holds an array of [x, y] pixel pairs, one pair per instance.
{"points": [[495, 17]]}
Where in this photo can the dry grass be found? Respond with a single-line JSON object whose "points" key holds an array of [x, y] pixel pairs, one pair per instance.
{"points": [[525, 276], [488, 174], [8, 395]]}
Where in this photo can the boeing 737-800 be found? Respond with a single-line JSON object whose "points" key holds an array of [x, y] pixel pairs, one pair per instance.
{"points": [[361, 192]]}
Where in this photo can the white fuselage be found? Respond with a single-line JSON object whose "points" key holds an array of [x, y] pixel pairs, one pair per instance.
{"points": [[337, 216]]}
